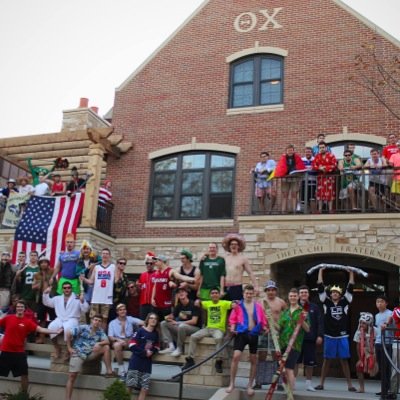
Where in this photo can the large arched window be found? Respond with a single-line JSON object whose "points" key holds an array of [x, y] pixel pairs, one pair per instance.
{"points": [[193, 185], [256, 80]]}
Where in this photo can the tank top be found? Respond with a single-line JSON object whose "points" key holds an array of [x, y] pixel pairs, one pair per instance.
{"points": [[163, 295], [192, 293], [103, 284]]}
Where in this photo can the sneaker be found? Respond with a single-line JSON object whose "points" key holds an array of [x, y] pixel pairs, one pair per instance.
{"points": [[167, 350], [218, 366], [177, 352], [189, 363], [280, 388], [122, 377], [310, 388]]}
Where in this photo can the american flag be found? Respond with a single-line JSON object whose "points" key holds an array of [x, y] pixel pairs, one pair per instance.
{"points": [[45, 223]]}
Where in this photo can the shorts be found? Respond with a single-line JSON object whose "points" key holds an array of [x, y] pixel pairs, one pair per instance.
{"points": [[290, 184], [291, 361], [307, 355], [102, 309], [379, 188], [243, 339], [137, 379], [395, 187], [205, 294], [262, 191], [233, 292], [265, 343], [336, 347], [13, 362], [76, 362]]}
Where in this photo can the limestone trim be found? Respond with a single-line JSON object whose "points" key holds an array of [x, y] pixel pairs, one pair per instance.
{"points": [[190, 224], [158, 49], [168, 240], [255, 110], [353, 137], [256, 50], [225, 148], [367, 22]]}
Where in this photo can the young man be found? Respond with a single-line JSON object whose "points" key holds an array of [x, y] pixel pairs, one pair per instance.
{"points": [[377, 178], [68, 308], [336, 335], [86, 342], [287, 324], [188, 269], [391, 148], [312, 338], [212, 273], [263, 186], [247, 321], [146, 284], [184, 321], [217, 311], [236, 265], [394, 161], [309, 182], [382, 319], [120, 332], [320, 139], [6, 279], [349, 181], [13, 357]]}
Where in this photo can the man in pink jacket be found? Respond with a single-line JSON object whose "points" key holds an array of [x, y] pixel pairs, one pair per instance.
{"points": [[247, 321]]}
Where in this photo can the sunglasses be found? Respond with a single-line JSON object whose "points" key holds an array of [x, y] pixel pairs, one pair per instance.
{"points": [[67, 287], [131, 287], [149, 263], [121, 263]]}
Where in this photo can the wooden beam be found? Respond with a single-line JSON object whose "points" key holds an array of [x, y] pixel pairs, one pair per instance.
{"points": [[48, 147], [96, 137], [52, 155]]}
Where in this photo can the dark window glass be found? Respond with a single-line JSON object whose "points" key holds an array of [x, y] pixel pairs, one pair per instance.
{"points": [[192, 186], [257, 80]]}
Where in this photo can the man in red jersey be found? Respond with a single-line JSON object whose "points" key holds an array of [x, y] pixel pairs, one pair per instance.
{"points": [[16, 329], [146, 286], [391, 148]]}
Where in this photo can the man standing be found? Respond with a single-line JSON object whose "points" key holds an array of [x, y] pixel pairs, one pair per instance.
{"points": [[391, 148], [66, 266], [21, 261], [325, 163], [190, 270], [68, 308], [184, 321], [247, 321], [13, 357], [89, 343], [236, 265], [146, 284], [217, 311], [315, 148], [394, 161], [24, 280], [6, 279], [336, 335], [102, 279], [263, 186], [309, 182], [120, 332], [212, 273], [312, 338], [161, 298]]}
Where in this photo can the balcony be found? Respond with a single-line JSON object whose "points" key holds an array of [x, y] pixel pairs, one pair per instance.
{"points": [[363, 191]]}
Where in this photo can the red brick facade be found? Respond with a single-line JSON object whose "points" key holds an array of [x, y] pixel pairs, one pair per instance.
{"points": [[182, 92]]}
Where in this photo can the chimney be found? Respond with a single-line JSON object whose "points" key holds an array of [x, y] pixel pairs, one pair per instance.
{"points": [[83, 102], [95, 109]]}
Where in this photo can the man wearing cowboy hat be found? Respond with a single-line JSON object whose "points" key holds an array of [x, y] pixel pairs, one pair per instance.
{"points": [[236, 264], [23, 185], [336, 335], [11, 187]]}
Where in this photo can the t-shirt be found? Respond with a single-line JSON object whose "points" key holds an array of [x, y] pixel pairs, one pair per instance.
{"points": [[187, 312], [143, 340], [103, 286], [287, 324], [27, 277], [15, 332], [163, 295], [211, 269], [380, 319], [84, 340], [68, 261], [395, 160], [217, 313], [42, 189], [389, 150], [104, 195]]}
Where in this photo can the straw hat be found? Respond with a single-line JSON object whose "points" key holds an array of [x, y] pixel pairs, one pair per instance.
{"points": [[233, 236]]}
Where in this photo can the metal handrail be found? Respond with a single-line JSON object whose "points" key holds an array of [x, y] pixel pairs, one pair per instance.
{"points": [[185, 371], [385, 340], [389, 336]]}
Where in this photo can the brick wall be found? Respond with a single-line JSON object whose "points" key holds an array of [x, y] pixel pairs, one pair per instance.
{"points": [[183, 93]]}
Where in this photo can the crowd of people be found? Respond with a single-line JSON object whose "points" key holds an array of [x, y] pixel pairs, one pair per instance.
{"points": [[322, 182], [87, 303]]}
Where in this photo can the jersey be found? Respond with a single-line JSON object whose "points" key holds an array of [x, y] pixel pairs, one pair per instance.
{"points": [[103, 284], [211, 269], [142, 341], [163, 295], [16, 331], [27, 275], [217, 313]]}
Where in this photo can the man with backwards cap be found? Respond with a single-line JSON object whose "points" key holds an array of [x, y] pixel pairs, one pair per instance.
{"points": [[336, 335]]}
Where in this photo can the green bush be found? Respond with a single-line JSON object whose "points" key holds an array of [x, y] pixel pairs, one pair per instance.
{"points": [[116, 391], [20, 396]]}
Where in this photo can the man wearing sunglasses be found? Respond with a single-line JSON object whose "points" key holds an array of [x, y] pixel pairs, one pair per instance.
{"points": [[146, 284]]}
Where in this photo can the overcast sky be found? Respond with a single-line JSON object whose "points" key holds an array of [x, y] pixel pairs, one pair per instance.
{"points": [[55, 51]]}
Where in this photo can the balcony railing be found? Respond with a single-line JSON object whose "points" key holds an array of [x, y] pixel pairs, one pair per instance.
{"points": [[104, 217], [364, 191]]}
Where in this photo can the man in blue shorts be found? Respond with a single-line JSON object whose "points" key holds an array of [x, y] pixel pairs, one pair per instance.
{"points": [[336, 335]]}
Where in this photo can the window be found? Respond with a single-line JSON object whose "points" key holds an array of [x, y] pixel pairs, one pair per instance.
{"points": [[192, 186], [256, 81]]}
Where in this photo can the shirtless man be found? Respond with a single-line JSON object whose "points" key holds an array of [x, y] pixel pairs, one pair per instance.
{"points": [[236, 264], [265, 344], [247, 331]]}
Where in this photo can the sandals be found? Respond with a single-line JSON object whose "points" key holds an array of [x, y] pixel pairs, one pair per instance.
{"points": [[112, 375]]}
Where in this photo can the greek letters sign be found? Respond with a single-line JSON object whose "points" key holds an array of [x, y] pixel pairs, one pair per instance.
{"points": [[262, 20]]}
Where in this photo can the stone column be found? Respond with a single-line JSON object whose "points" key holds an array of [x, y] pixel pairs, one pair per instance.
{"points": [[89, 215]]}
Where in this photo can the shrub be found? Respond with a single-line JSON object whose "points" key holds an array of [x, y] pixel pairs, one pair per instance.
{"points": [[116, 391]]}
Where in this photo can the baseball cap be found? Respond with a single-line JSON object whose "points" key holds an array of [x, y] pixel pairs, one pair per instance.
{"points": [[270, 285], [161, 257]]}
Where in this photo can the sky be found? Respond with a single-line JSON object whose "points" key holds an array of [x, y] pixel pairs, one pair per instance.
{"points": [[53, 52]]}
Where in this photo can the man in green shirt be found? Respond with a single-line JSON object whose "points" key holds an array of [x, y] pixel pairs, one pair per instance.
{"points": [[287, 324], [212, 273], [217, 312]]}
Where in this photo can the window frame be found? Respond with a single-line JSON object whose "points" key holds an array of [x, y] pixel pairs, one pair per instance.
{"points": [[178, 194], [257, 81]]}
